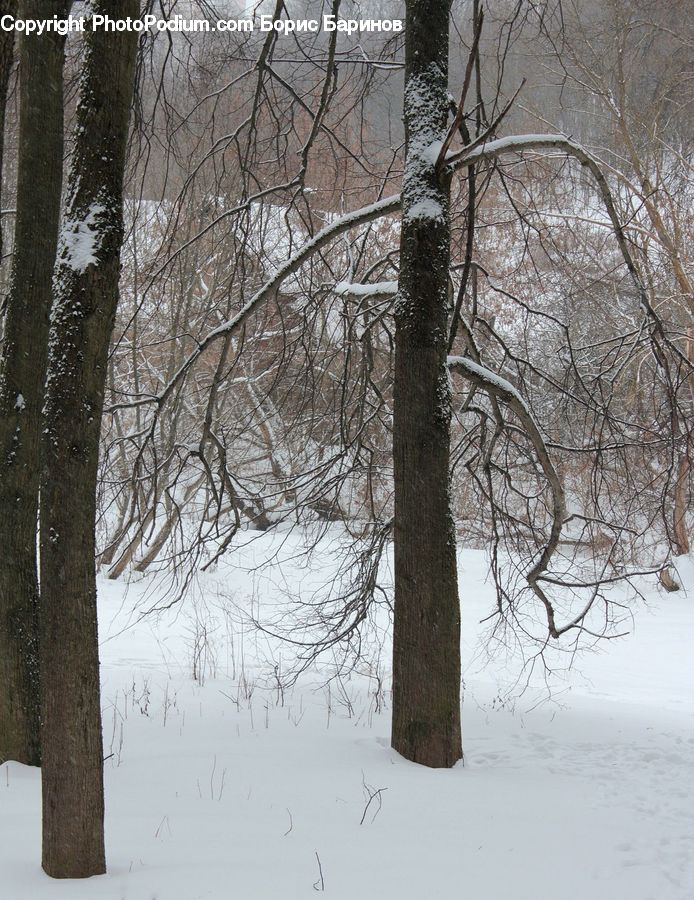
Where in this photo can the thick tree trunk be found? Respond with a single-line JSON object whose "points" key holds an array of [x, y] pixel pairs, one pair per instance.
{"points": [[22, 373], [426, 640], [7, 7], [86, 296]]}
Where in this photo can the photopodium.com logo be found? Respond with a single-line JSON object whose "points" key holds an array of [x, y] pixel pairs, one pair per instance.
{"points": [[151, 23]]}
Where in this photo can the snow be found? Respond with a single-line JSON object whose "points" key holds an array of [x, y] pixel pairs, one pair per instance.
{"points": [[366, 290], [20, 403], [233, 788], [284, 271], [511, 143], [484, 374], [428, 208], [422, 196], [79, 240]]}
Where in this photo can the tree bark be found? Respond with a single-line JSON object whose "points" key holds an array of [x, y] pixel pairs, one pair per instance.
{"points": [[86, 297], [22, 374], [7, 7], [681, 508], [426, 639]]}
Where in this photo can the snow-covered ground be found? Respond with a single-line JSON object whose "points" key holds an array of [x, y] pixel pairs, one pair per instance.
{"points": [[232, 788]]}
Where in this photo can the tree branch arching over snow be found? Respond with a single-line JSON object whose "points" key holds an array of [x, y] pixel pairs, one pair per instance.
{"points": [[390, 205]]}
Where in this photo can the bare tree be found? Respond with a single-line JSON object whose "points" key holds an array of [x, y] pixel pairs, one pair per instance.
{"points": [[276, 400], [22, 372], [426, 619], [86, 296], [622, 66]]}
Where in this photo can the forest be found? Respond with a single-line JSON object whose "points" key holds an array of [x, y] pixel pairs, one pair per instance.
{"points": [[346, 445]]}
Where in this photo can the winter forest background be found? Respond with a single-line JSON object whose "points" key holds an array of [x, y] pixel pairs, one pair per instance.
{"points": [[348, 380]]}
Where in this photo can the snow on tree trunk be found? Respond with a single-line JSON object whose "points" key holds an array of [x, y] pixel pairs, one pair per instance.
{"points": [[22, 373], [426, 641], [86, 296]]}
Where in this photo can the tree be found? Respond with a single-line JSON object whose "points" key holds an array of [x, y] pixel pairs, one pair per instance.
{"points": [[22, 372], [426, 630], [629, 59], [520, 364], [7, 7], [86, 297]]}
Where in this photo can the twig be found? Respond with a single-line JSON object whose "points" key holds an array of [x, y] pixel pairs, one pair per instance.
{"points": [[320, 884]]}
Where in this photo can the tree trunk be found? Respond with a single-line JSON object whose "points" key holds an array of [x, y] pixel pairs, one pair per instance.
{"points": [[86, 296], [679, 516], [426, 639], [22, 374], [7, 7]]}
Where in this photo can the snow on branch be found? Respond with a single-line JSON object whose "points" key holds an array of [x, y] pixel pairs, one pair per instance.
{"points": [[361, 291], [464, 158], [325, 236], [503, 390], [468, 156], [269, 289]]}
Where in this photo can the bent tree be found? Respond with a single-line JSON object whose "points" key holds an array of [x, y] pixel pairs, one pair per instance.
{"points": [[426, 635], [86, 296], [22, 373]]}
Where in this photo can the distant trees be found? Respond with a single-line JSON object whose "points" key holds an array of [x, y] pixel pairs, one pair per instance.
{"points": [[623, 67], [86, 296]]}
